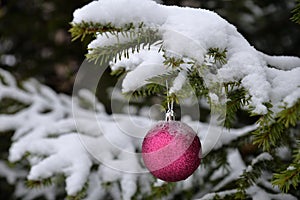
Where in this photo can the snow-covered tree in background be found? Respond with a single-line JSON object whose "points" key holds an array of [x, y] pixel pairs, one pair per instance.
{"points": [[58, 140]]}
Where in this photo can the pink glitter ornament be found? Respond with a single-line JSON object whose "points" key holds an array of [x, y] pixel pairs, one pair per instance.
{"points": [[171, 151]]}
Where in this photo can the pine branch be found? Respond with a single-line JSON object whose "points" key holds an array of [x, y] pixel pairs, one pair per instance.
{"points": [[11, 106], [161, 191], [156, 86], [269, 137], [195, 79], [118, 72], [287, 178], [197, 83], [297, 153], [250, 177], [291, 176], [161, 79], [219, 158], [31, 184], [237, 99], [218, 55], [289, 116], [81, 30], [81, 194], [137, 40], [296, 13], [147, 90], [271, 129], [173, 62]]}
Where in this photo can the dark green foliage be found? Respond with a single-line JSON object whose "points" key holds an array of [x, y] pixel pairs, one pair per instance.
{"points": [[11, 106], [118, 72], [38, 183], [237, 99], [271, 128], [156, 87], [197, 83], [138, 37], [289, 116], [287, 178], [139, 40], [80, 195], [296, 13], [218, 54], [36, 33], [250, 176], [173, 61], [158, 192], [274, 132], [219, 158], [148, 90], [81, 30], [290, 177]]}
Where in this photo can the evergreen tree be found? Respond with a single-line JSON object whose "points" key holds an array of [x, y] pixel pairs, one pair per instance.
{"points": [[200, 55]]}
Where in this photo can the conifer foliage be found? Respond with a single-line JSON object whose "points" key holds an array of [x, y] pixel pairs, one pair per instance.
{"points": [[204, 59]]}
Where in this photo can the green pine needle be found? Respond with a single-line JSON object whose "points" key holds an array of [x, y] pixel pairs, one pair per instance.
{"points": [[138, 40], [287, 178], [270, 133], [250, 176], [80, 195], [31, 184], [296, 13], [290, 116], [218, 54], [173, 62], [290, 177], [81, 30]]}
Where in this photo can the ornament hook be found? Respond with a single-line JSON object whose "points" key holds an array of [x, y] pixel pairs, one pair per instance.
{"points": [[170, 115]]}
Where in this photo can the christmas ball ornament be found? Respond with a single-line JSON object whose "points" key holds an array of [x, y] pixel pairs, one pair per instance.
{"points": [[171, 150]]}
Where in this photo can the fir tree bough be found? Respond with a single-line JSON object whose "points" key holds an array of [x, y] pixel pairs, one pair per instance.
{"points": [[274, 124], [169, 54], [296, 13]]}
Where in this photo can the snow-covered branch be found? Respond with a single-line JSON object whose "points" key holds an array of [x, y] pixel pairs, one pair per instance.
{"points": [[85, 149], [190, 33], [72, 141]]}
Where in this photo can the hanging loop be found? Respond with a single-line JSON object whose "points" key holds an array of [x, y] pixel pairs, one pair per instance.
{"points": [[170, 115]]}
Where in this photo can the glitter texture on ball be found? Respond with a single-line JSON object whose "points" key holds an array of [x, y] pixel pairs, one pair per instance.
{"points": [[171, 151]]}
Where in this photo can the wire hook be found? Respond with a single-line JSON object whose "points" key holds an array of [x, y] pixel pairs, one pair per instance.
{"points": [[170, 115]]}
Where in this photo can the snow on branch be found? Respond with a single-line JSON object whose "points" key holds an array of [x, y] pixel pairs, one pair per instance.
{"points": [[54, 143], [191, 33], [83, 150]]}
